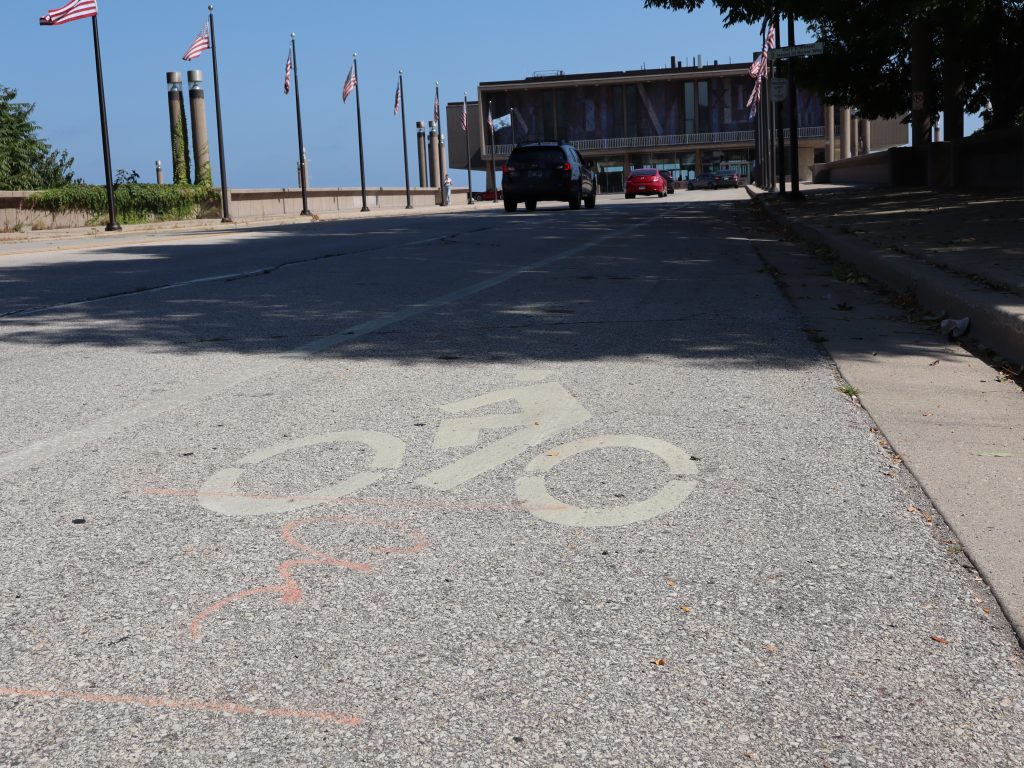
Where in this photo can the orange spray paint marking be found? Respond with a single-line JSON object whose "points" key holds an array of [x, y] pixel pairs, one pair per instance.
{"points": [[289, 590], [187, 705]]}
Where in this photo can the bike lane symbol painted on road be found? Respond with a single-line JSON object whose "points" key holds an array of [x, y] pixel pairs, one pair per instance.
{"points": [[545, 410], [220, 494]]}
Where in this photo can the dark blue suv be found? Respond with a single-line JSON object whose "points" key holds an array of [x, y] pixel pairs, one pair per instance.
{"points": [[547, 170]]}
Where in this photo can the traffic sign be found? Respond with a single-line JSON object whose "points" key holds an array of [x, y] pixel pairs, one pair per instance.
{"points": [[793, 51], [779, 89]]}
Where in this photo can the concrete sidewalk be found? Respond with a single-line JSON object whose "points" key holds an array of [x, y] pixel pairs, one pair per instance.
{"points": [[954, 419], [958, 254]]}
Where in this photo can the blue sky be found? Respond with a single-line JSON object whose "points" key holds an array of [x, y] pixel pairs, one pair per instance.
{"points": [[456, 42]]}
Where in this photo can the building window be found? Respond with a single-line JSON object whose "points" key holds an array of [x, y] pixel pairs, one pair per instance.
{"points": [[689, 107], [703, 109]]}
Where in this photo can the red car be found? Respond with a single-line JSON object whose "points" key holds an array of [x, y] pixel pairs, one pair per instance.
{"points": [[645, 181]]}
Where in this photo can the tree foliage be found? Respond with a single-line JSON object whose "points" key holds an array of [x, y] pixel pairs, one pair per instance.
{"points": [[976, 47], [26, 160]]}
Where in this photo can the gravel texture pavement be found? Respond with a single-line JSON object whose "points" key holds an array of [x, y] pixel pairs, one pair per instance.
{"points": [[353, 510]]}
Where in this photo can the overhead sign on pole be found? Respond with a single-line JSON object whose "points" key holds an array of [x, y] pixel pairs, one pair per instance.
{"points": [[794, 51]]}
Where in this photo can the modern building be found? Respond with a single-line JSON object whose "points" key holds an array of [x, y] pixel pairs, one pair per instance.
{"points": [[684, 120]]}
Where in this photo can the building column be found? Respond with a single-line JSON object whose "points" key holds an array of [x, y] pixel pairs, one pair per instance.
{"points": [[830, 133], [180, 165], [433, 157], [421, 152], [844, 133], [200, 137], [442, 158], [865, 132], [854, 137]]}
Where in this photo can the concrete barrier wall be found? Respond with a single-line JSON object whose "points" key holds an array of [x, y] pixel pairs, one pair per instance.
{"points": [[990, 161], [874, 169], [987, 161], [246, 204]]}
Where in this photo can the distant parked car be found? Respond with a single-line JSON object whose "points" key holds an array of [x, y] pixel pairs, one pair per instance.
{"points": [[645, 181], [487, 195], [706, 180], [668, 182], [726, 178]]}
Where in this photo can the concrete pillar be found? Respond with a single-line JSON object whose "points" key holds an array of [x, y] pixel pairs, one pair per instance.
{"points": [[844, 133], [442, 157], [830, 133], [179, 129], [433, 158], [865, 134], [855, 137], [421, 151], [200, 137], [159, 172]]}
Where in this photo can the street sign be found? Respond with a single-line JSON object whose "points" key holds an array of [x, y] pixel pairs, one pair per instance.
{"points": [[779, 90], [793, 51]]}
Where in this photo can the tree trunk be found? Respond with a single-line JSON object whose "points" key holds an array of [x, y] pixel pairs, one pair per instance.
{"points": [[920, 70]]}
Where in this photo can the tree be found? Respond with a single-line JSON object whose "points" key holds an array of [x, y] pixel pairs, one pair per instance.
{"points": [[26, 160]]}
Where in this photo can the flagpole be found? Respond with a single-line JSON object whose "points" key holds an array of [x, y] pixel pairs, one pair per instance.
{"points": [[780, 158], [494, 168], [224, 197], [298, 121], [437, 115], [405, 141], [794, 132], [359, 128], [112, 225], [469, 162]]}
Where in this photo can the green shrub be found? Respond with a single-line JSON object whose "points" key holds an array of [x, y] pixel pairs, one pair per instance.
{"points": [[136, 203]]}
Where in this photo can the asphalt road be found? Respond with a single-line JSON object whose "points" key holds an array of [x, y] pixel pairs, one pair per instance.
{"points": [[565, 488]]}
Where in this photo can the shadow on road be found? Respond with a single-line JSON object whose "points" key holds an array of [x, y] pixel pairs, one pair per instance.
{"points": [[685, 283]]}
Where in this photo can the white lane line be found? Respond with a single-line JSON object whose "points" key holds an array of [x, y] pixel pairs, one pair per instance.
{"points": [[41, 450]]}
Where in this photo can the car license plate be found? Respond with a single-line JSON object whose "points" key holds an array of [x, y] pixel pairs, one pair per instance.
{"points": [[536, 174], [642, 188]]}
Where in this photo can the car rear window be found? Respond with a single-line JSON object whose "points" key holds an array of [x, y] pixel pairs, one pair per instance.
{"points": [[538, 155], [644, 172]]}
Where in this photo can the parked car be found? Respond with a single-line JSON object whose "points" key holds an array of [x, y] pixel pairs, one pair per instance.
{"points": [[487, 195], [645, 181], [668, 182], [706, 180], [547, 170], [726, 178]]}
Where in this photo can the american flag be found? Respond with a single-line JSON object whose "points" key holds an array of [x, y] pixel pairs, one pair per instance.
{"points": [[73, 11], [464, 120], [288, 73], [490, 120], [200, 44], [350, 84], [760, 67], [759, 70], [437, 110], [755, 98], [398, 96]]}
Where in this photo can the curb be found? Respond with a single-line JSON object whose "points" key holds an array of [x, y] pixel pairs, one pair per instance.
{"points": [[215, 225], [997, 317]]}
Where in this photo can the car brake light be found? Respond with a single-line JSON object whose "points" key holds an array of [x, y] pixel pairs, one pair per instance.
{"points": [[566, 166], [505, 168]]}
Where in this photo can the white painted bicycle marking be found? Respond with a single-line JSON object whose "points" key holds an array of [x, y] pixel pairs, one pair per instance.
{"points": [[220, 492], [544, 410], [534, 495], [547, 410]]}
